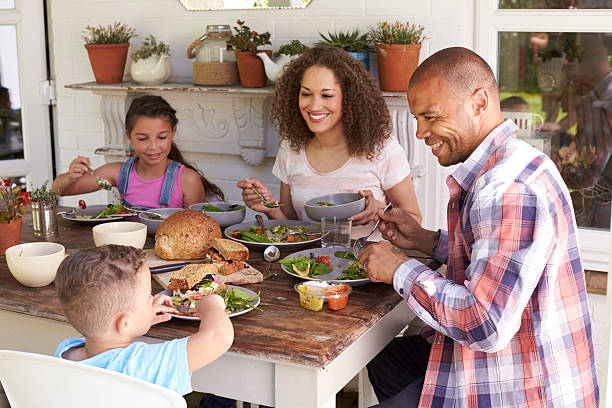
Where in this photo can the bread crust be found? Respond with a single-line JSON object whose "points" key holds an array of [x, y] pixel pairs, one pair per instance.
{"points": [[187, 234], [186, 277], [231, 249]]}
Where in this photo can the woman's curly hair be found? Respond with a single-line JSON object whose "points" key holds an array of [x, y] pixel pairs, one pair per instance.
{"points": [[365, 118]]}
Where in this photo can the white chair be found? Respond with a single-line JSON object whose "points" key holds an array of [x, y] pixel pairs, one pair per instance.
{"points": [[36, 380]]}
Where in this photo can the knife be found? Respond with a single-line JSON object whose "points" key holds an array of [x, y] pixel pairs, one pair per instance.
{"points": [[168, 268]]}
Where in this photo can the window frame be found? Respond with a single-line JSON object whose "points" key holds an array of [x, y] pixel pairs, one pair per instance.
{"points": [[490, 21]]}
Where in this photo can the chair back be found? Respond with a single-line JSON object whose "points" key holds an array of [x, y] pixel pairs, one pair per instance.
{"points": [[36, 380]]}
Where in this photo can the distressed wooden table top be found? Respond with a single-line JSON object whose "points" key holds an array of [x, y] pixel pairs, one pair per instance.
{"points": [[283, 330]]}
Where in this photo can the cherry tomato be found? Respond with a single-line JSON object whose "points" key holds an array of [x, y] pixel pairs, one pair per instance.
{"points": [[82, 204], [123, 212], [258, 230], [324, 259]]}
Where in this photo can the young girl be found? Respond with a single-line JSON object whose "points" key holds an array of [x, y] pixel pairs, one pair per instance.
{"points": [[336, 133], [156, 176]]}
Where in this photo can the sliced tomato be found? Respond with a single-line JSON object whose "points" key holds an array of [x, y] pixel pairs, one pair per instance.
{"points": [[325, 260], [123, 212], [82, 204], [258, 230]]}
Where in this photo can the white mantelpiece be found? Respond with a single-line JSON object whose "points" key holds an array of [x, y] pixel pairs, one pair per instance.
{"points": [[234, 121]]}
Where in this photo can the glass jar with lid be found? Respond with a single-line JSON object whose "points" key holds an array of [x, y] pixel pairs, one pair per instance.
{"points": [[211, 47]]}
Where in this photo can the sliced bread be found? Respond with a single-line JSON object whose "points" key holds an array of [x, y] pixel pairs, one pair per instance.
{"points": [[188, 276]]}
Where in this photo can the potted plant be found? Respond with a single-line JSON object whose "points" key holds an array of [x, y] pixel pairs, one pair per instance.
{"points": [[150, 64], [359, 46], [245, 43], [13, 204], [284, 55], [44, 216], [107, 48], [397, 52]]}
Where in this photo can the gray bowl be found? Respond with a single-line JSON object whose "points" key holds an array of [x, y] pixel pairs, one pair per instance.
{"points": [[152, 225], [224, 218], [345, 205]]}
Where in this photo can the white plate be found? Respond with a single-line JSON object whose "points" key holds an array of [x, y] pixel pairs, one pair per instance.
{"points": [[92, 211], [338, 264], [310, 226], [253, 304]]}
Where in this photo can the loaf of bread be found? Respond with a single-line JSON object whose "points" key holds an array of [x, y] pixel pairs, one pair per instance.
{"points": [[187, 277], [186, 234]]}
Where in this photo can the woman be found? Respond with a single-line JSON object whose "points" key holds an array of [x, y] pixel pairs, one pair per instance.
{"points": [[336, 133]]}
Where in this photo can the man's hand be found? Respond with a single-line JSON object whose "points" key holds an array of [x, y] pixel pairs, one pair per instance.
{"points": [[404, 231], [381, 260], [163, 308]]}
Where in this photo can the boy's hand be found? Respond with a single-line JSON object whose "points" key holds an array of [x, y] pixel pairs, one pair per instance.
{"points": [[210, 303], [163, 308]]}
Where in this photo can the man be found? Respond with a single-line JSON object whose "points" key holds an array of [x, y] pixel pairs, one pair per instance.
{"points": [[511, 320]]}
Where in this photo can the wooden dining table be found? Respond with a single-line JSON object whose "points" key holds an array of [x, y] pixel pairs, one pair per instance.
{"points": [[283, 355]]}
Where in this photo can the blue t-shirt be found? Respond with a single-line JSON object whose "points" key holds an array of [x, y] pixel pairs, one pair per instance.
{"points": [[163, 363]]}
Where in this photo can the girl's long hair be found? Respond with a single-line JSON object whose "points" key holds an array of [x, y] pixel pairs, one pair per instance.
{"points": [[153, 106]]}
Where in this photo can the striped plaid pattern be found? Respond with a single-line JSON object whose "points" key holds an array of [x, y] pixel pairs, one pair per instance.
{"points": [[511, 316]]}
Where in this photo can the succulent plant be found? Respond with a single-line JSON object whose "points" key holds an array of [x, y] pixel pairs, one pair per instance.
{"points": [[348, 41]]}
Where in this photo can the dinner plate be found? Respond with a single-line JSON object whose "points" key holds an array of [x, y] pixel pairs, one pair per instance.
{"points": [[338, 264], [253, 304], [310, 226], [92, 211]]}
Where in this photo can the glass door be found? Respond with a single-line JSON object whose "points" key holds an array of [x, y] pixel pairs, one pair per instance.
{"points": [[25, 143]]}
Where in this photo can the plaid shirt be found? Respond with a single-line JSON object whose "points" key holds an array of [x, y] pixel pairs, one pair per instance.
{"points": [[511, 316]]}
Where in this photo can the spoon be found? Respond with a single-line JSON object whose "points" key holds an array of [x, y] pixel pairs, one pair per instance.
{"points": [[271, 254], [103, 183], [269, 204]]}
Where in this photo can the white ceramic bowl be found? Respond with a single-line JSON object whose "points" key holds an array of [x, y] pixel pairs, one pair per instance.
{"points": [[345, 205], [224, 218], [120, 233], [35, 264], [153, 224]]}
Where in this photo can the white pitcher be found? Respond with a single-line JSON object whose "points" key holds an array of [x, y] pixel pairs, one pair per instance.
{"points": [[154, 70], [275, 69]]}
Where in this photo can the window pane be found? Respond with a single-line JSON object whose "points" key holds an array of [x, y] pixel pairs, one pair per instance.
{"points": [[7, 4], [557, 87], [555, 4], [11, 138]]}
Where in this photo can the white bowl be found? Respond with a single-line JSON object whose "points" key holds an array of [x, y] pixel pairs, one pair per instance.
{"points": [[35, 264], [152, 225], [224, 218], [120, 233], [345, 205]]}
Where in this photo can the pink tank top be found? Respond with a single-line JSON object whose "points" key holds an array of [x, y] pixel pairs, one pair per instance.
{"points": [[146, 193]]}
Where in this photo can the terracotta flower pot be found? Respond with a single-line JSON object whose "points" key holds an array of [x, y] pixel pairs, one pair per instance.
{"points": [[251, 69], [396, 64], [107, 61], [10, 234]]}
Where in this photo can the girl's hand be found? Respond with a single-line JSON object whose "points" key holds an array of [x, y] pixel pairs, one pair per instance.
{"points": [[251, 199], [78, 168], [163, 308], [370, 211]]}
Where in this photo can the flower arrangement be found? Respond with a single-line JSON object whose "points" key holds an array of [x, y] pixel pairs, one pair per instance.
{"points": [[348, 41], [115, 33], [151, 47], [247, 40], [397, 33], [577, 166], [43, 196], [295, 47], [13, 201]]}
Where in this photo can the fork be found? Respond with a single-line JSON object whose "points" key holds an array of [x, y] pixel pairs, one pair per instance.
{"points": [[360, 243], [269, 204]]}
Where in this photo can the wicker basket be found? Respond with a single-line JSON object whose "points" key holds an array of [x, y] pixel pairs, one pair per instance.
{"points": [[215, 73]]}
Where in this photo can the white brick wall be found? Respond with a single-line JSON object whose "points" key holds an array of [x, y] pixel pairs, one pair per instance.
{"points": [[79, 123]]}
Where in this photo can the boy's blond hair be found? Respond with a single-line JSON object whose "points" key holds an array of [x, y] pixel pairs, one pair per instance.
{"points": [[95, 285]]}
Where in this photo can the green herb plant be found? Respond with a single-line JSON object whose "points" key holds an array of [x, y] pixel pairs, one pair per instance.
{"points": [[247, 40], [151, 47], [397, 33], [115, 33], [295, 47], [43, 196], [348, 41]]}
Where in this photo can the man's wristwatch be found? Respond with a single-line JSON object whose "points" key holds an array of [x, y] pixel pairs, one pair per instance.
{"points": [[436, 239]]}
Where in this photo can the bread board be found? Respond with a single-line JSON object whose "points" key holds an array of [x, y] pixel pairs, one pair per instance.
{"points": [[250, 274]]}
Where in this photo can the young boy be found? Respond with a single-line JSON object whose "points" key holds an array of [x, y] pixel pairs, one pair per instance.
{"points": [[106, 295]]}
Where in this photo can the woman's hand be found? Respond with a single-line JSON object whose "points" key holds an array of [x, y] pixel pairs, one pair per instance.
{"points": [[251, 199], [370, 211], [163, 308], [78, 168]]}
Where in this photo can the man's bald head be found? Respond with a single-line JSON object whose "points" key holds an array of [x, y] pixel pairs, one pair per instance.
{"points": [[463, 70]]}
